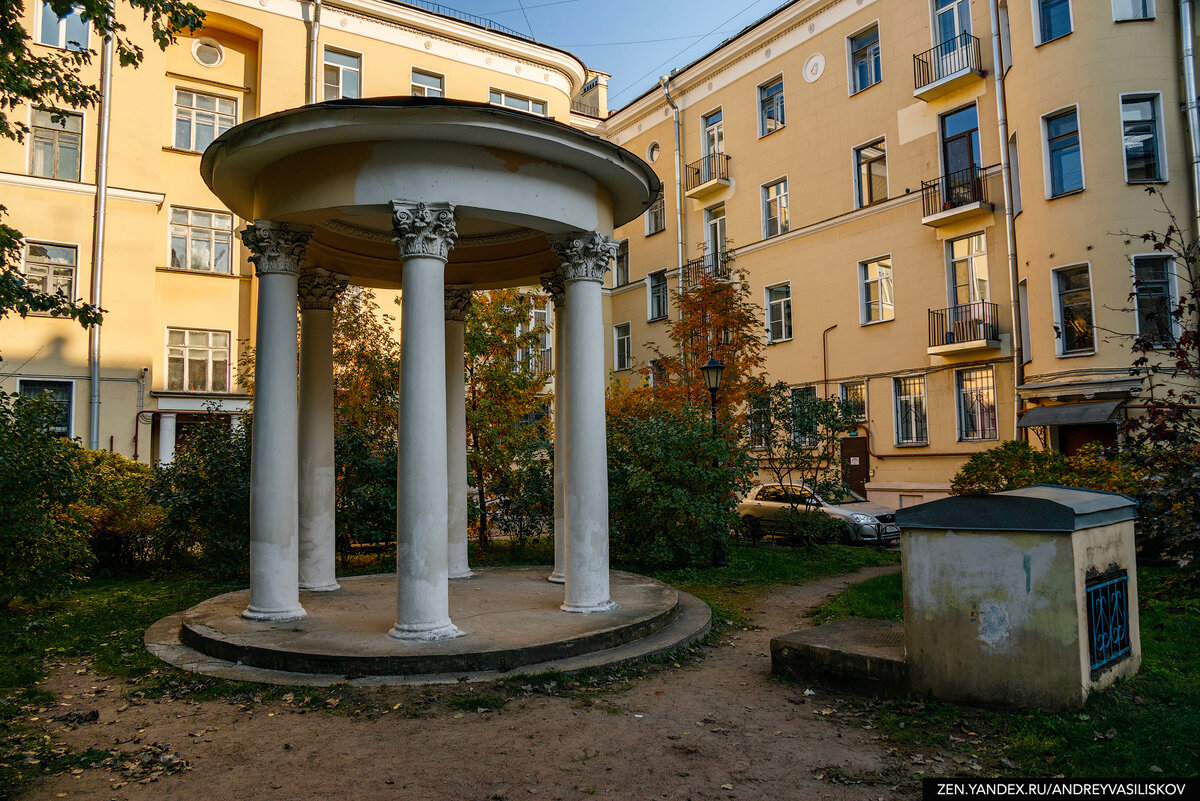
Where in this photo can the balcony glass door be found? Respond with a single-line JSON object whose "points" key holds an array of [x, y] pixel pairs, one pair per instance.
{"points": [[960, 157], [970, 289], [951, 19], [714, 240], [714, 146]]}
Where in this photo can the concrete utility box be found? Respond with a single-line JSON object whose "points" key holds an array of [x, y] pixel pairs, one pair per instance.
{"points": [[1022, 598]]}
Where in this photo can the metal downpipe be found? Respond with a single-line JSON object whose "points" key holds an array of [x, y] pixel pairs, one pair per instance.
{"points": [[98, 226], [665, 82], [314, 57], [1192, 106]]}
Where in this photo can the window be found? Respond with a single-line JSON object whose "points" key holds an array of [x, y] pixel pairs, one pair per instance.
{"points": [[426, 84], [621, 264], [197, 361], [1063, 155], [499, 98], [1133, 9], [653, 152], [1054, 19], [759, 423], [911, 421], [770, 107], [775, 208], [656, 295], [779, 312], [656, 216], [343, 75], [864, 60], [658, 374], [714, 232], [976, 404], [714, 134], [50, 269], [969, 271], [1153, 296], [871, 173], [951, 18], [854, 396], [1141, 127], [1075, 329], [201, 118], [60, 393], [960, 147], [1014, 169], [69, 32], [878, 298], [55, 145], [201, 241], [622, 347], [804, 427]]}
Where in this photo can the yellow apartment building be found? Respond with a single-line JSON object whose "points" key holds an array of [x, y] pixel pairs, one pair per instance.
{"points": [[852, 154]]}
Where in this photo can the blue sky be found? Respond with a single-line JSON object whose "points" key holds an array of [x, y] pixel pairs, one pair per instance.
{"points": [[635, 41]]}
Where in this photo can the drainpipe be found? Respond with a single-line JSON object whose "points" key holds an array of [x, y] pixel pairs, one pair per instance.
{"points": [[665, 82], [314, 57], [1009, 225], [1192, 103], [98, 223]]}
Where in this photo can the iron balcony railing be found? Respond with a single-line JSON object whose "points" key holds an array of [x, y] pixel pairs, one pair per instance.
{"points": [[960, 54], [955, 189], [535, 361], [715, 265], [590, 109], [474, 19], [969, 322], [713, 167]]}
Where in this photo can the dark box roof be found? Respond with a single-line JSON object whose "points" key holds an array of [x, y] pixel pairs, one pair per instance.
{"points": [[1042, 507]]}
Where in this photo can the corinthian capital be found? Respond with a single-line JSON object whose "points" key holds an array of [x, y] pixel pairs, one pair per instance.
{"points": [[276, 247], [553, 284], [423, 229], [458, 302], [583, 255], [319, 289]]}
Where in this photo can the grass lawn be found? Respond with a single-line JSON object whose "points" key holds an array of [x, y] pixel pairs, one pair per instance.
{"points": [[1145, 726]]}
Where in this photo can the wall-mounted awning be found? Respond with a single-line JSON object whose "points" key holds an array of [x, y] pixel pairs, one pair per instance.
{"points": [[1069, 414]]}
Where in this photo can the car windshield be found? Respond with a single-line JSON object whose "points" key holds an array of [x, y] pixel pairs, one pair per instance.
{"points": [[843, 494]]}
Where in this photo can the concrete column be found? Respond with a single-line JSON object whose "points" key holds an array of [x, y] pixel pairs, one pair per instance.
{"points": [[166, 438], [424, 234], [458, 303], [552, 283], [319, 291], [275, 251], [584, 258]]}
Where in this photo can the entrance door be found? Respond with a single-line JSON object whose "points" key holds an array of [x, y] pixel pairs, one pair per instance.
{"points": [[1073, 437], [856, 465]]}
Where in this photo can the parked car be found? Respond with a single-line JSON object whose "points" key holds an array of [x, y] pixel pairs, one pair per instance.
{"points": [[864, 521]]}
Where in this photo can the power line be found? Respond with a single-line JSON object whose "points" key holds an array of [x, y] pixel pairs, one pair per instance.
{"points": [[532, 5], [521, 3], [645, 41]]}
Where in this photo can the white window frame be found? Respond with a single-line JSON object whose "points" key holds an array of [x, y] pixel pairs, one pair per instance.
{"points": [[1056, 307], [60, 37], [70, 433], [1159, 136], [1036, 20], [83, 155], [784, 219], [622, 247], [656, 213], [1152, 15], [191, 148], [857, 186], [793, 393], [413, 72], [651, 317], [960, 410], [342, 70], [1046, 175], [851, 75], [1172, 290], [167, 360], [785, 305], [52, 243], [781, 103], [896, 410], [863, 317], [505, 95], [212, 253], [842, 395], [617, 351], [972, 260]]}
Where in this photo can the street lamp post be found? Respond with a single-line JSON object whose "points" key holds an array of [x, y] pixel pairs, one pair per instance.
{"points": [[712, 379]]}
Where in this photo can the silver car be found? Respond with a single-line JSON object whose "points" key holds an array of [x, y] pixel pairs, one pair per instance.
{"points": [[865, 521]]}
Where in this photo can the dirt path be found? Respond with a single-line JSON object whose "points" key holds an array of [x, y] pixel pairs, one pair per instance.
{"points": [[718, 727]]}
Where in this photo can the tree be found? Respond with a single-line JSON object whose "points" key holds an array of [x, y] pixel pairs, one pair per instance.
{"points": [[796, 434], [54, 80], [505, 380]]}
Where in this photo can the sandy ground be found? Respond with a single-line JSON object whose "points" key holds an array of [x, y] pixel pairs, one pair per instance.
{"points": [[716, 727]]}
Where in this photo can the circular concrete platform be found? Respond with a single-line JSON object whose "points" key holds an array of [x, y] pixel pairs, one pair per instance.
{"points": [[510, 619]]}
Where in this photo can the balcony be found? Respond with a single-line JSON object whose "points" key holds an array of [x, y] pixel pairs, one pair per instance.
{"points": [[714, 265], [588, 109], [953, 197], [535, 362], [971, 326], [706, 176], [944, 68]]}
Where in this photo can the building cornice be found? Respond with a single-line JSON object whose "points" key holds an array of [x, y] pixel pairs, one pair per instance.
{"points": [[78, 188]]}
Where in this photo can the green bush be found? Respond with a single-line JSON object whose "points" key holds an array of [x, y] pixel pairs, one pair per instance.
{"points": [[205, 493], [811, 527], [125, 525], [1014, 464], [525, 494], [366, 486], [43, 540], [671, 486]]}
